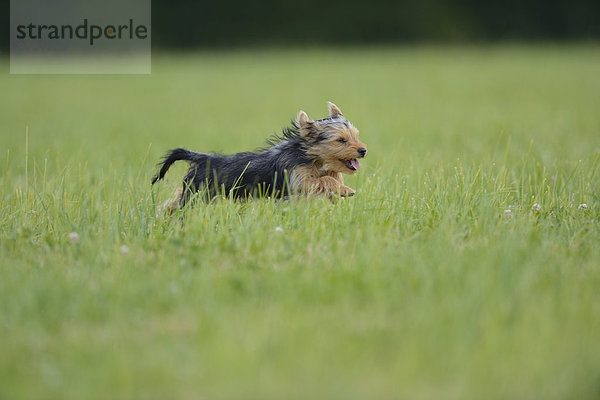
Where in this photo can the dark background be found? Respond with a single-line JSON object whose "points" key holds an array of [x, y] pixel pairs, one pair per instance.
{"points": [[192, 24]]}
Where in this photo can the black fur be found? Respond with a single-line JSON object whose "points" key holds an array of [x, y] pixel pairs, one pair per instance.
{"points": [[261, 173]]}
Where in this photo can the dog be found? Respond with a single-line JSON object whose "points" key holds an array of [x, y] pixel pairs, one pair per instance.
{"points": [[308, 158]]}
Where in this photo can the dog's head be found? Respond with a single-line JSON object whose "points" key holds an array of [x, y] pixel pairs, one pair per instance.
{"points": [[332, 141]]}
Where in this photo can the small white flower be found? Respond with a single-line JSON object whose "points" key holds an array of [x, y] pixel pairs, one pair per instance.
{"points": [[536, 207], [74, 237], [124, 249], [508, 213], [279, 229], [582, 206]]}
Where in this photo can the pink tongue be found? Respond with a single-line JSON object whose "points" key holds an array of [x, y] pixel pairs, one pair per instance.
{"points": [[355, 164]]}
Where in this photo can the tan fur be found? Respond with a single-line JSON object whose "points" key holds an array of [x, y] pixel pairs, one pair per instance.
{"points": [[334, 111], [314, 182], [330, 152], [172, 205], [324, 177], [306, 124]]}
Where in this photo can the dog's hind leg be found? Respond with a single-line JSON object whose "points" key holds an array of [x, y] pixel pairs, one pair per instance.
{"points": [[171, 205]]}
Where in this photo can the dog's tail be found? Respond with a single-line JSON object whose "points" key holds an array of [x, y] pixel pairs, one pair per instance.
{"points": [[176, 155]]}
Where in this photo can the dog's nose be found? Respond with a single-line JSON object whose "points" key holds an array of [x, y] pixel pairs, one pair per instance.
{"points": [[362, 152]]}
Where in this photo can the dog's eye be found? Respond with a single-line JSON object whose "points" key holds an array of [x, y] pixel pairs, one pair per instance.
{"points": [[342, 140]]}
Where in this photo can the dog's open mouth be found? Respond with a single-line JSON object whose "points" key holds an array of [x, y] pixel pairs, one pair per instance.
{"points": [[351, 164]]}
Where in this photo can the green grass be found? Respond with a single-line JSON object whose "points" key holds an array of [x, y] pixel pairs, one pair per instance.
{"points": [[419, 287]]}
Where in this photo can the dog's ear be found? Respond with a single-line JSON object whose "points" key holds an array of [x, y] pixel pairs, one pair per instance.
{"points": [[306, 125], [334, 111]]}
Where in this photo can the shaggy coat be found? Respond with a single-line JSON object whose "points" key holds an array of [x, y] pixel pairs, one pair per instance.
{"points": [[308, 157]]}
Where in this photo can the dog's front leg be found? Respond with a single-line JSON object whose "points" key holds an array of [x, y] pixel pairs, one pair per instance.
{"points": [[329, 186], [345, 191]]}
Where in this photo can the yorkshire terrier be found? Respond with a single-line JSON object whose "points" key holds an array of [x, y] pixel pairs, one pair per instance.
{"points": [[308, 158]]}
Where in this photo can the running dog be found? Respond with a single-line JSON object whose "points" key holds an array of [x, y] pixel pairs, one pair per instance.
{"points": [[308, 158]]}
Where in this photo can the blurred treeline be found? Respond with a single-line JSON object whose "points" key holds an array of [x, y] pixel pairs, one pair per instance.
{"points": [[218, 23], [193, 23]]}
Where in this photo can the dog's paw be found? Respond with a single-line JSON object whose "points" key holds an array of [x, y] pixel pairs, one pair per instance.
{"points": [[346, 191]]}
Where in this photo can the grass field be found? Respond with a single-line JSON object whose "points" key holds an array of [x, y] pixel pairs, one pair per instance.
{"points": [[440, 279]]}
